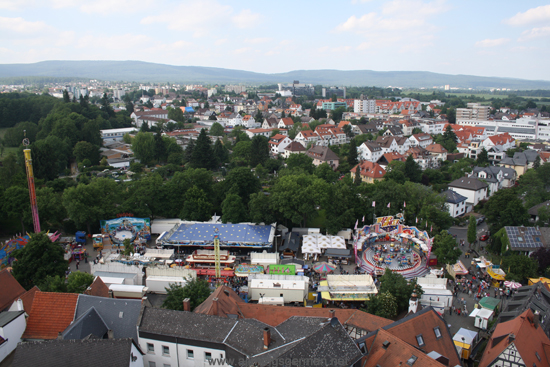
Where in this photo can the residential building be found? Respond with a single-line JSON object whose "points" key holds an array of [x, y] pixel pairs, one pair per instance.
{"points": [[336, 91], [495, 176], [50, 315], [321, 154], [438, 152], [364, 106], [12, 327], [387, 144], [79, 353], [518, 342], [422, 140], [387, 158], [394, 130], [456, 203], [474, 189], [307, 137], [278, 143], [526, 240], [158, 113], [538, 209], [255, 132], [293, 148], [180, 338], [369, 128], [328, 106], [424, 158], [370, 151], [10, 289], [285, 123], [520, 162], [474, 111], [369, 171], [270, 123]]}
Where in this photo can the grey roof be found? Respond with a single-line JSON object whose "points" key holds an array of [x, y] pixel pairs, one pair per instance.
{"points": [[119, 315], [74, 353], [185, 325], [453, 197], [491, 176], [247, 337], [291, 242], [8, 316], [337, 252], [520, 161], [89, 323], [535, 210], [536, 297], [297, 327], [322, 153], [469, 183], [524, 238], [329, 343]]}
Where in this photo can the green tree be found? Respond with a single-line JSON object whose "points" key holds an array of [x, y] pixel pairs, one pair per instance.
{"points": [[53, 284], [348, 130], [16, 205], [196, 205], [217, 129], [536, 163], [128, 247], [78, 282], [352, 153], [326, 172], [519, 267], [243, 182], [259, 150], [395, 284], [233, 209], [483, 158], [384, 304], [472, 230], [503, 209], [311, 190], [143, 146], [445, 248], [160, 150], [197, 290], [412, 170], [39, 258], [241, 153], [84, 150], [202, 156], [260, 209], [176, 114], [300, 162], [220, 152]]}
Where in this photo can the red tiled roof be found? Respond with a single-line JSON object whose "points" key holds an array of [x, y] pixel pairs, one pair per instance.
{"points": [[370, 169], [228, 302], [28, 298], [51, 313], [436, 148], [295, 147], [397, 353], [527, 339], [501, 139], [10, 289], [97, 288]]}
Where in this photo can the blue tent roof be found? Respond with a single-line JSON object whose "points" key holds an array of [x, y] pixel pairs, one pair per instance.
{"points": [[189, 109], [203, 234]]}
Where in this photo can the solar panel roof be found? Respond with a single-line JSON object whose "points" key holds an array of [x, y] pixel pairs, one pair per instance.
{"points": [[524, 237]]}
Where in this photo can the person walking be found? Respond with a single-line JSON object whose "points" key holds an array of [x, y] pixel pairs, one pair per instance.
{"points": [[77, 263]]}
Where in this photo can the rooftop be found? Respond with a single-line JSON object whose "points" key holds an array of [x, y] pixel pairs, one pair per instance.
{"points": [[51, 313]]}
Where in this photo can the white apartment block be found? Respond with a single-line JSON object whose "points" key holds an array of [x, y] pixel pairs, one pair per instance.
{"points": [[364, 106]]}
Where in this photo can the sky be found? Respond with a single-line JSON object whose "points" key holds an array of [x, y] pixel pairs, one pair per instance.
{"points": [[505, 38]]}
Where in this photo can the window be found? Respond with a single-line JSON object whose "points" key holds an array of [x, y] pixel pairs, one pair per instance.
{"points": [[207, 356], [420, 340], [150, 348], [166, 365], [152, 364], [165, 350], [437, 332]]}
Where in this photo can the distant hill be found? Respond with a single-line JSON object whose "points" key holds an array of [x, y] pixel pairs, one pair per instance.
{"points": [[139, 71]]}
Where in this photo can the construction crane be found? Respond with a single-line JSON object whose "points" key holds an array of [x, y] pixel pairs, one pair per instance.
{"points": [[32, 191], [217, 255]]}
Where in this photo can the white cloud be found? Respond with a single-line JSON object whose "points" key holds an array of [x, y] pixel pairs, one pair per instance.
{"points": [[20, 25], [535, 33], [109, 7], [256, 41], [203, 17], [220, 41], [534, 15], [492, 42], [115, 42], [246, 19], [242, 50]]}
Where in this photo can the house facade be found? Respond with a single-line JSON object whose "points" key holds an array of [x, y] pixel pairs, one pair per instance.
{"points": [[473, 189]]}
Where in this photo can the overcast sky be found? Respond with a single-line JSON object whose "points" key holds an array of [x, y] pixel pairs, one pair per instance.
{"points": [[506, 38]]}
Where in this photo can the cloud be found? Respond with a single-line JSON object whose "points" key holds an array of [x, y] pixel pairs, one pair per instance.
{"points": [[534, 15], [535, 33], [242, 50], [20, 25], [109, 7], [401, 25], [203, 17], [220, 42], [492, 42], [246, 19], [256, 41]]}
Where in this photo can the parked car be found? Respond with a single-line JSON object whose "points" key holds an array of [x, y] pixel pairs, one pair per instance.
{"points": [[480, 219], [484, 237]]}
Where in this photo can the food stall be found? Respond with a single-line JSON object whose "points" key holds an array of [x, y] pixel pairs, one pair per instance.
{"points": [[497, 275], [79, 253], [464, 341]]}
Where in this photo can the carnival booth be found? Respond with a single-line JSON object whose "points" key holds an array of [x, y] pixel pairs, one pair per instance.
{"points": [[137, 230], [464, 341], [457, 270], [314, 245]]}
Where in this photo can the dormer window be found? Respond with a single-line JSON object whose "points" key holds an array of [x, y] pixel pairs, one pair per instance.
{"points": [[420, 340], [437, 332]]}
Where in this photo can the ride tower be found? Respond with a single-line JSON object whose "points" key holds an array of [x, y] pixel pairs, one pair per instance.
{"points": [[32, 191]]}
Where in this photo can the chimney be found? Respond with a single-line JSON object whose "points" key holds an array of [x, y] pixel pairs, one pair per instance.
{"points": [[215, 306], [59, 336], [110, 334], [536, 319], [331, 313], [267, 337], [187, 305]]}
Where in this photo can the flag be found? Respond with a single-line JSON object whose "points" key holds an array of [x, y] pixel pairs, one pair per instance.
{"points": [[431, 228], [404, 204], [416, 220], [389, 205], [356, 223], [374, 204], [363, 219]]}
